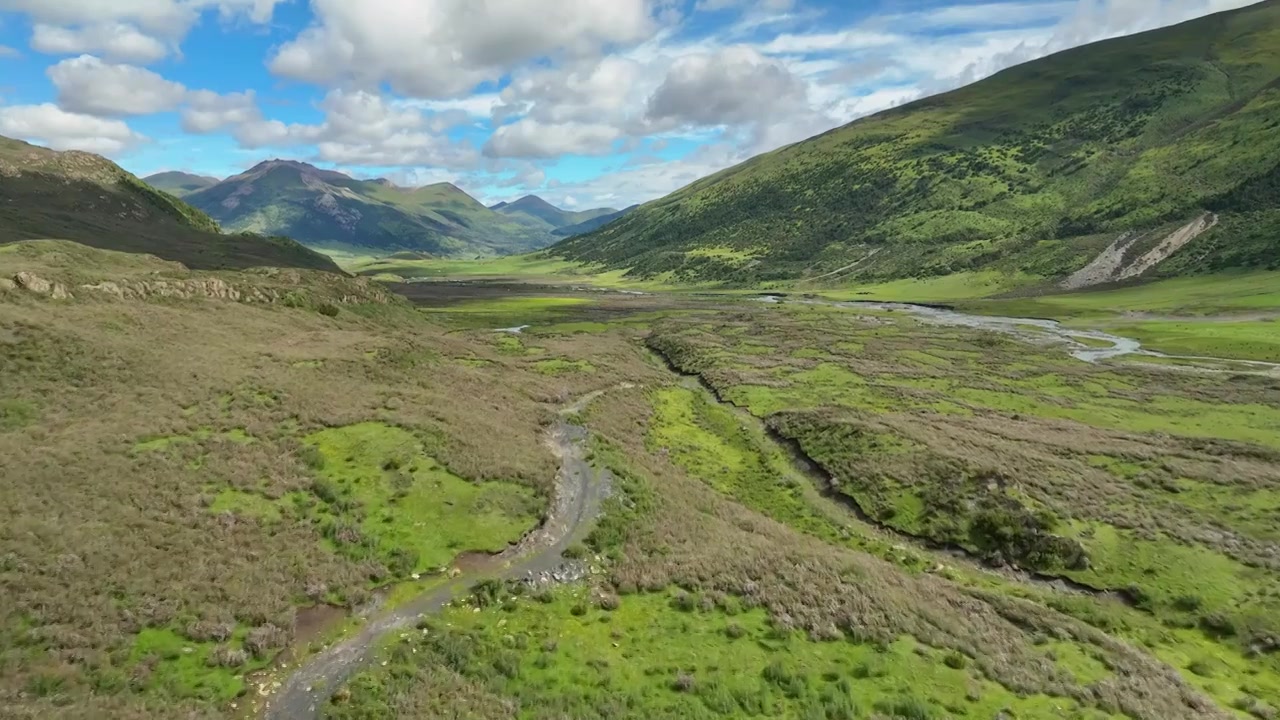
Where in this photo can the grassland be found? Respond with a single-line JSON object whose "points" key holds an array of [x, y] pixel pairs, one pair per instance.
{"points": [[186, 478], [302, 461], [736, 584]]}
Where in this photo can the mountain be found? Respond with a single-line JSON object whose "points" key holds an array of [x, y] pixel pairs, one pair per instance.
{"points": [[180, 183], [594, 223], [86, 198], [1157, 154], [535, 207], [323, 208]]}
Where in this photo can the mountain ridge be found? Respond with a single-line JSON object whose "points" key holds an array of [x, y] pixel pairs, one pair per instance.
{"points": [[88, 199], [1033, 171], [176, 182], [329, 209]]}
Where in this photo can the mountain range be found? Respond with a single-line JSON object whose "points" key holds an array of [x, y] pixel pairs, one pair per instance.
{"points": [[327, 209], [180, 183], [1154, 154], [89, 199]]}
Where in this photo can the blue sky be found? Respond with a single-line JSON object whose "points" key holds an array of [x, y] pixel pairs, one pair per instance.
{"points": [[585, 102]]}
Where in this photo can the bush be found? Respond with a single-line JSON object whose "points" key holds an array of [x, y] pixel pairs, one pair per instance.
{"points": [[1218, 625], [907, 708], [734, 631], [265, 638], [955, 660], [684, 683], [684, 602], [1187, 603], [227, 657]]}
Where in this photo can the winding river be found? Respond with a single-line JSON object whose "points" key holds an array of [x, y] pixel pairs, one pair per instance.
{"points": [[1087, 345], [580, 490]]}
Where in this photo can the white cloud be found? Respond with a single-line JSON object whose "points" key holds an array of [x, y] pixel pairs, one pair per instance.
{"points": [[444, 48], [735, 85], [207, 111], [115, 40], [359, 129], [89, 86], [134, 30], [8, 52], [62, 130], [531, 138]]}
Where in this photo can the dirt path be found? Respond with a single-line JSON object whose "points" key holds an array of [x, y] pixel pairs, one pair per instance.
{"points": [[579, 493]]}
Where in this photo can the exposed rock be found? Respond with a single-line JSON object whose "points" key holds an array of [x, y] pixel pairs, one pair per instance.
{"points": [[38, 285], [7, 284]]}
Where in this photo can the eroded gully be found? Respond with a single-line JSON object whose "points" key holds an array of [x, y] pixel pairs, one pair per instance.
{"points": [[579, 493]]}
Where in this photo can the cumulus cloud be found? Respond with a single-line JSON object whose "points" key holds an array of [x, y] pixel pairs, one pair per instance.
{"points": [[207, 111], [62, 130], [140, 31], [531, 138], [733, 85], [114, 40], [359, 129], [444, 48], [90, 86]]}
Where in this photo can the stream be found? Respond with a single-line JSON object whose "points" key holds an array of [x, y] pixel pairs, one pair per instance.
{"points": [[1037, 329], [579, 493]]}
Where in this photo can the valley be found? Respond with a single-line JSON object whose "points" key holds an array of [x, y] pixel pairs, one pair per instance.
{"points": [[836, 496], [969, 408]]}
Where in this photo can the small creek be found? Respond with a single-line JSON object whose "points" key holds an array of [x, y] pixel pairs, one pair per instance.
{"points": [[579, 493], [1083, 344]]}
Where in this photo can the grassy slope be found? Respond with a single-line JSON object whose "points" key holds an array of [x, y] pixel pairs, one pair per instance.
{"points": [[535, 207], [327, 209], [180, 183], [205, 468], [86, 198], [595, 223], [1032, 171]]}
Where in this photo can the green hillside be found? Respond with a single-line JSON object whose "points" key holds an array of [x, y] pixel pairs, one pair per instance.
{"points": [[180, 183], [1037, 170], [535, 207], [327, 209], [86, 198], [591, 224]]}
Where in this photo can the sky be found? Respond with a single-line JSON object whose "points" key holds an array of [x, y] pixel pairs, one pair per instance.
{"points": [[587, 103]]}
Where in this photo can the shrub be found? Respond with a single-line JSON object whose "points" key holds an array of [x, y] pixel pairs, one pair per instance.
{"points": [[684, 683], [1187, 603], [955, 660], [265, 638], [684, 602], [228, 657]]}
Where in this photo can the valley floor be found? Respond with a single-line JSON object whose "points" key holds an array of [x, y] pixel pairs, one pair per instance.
{"points": [[814, 510]]}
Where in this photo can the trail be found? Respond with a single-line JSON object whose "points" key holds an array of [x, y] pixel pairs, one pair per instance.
{"points": [[579, 492]]}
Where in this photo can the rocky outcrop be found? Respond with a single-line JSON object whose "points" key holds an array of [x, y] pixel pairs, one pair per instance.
{"points": [[35, 284], [215, 288]]}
